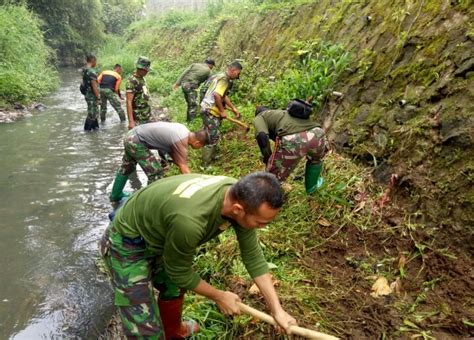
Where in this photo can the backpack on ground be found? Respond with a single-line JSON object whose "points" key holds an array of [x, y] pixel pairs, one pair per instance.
{"points": [[299, 108]]}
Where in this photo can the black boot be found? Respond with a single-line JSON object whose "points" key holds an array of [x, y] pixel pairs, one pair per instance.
{"points": [[89, 124]]}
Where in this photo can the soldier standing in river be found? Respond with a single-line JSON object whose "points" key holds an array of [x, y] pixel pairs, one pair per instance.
{"points": [[190, 80], [138, 96], [91, 93], [109, 82]]}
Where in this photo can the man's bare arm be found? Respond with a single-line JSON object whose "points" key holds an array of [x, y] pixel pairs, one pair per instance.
{"points": [[131, 120], [265, 284]]}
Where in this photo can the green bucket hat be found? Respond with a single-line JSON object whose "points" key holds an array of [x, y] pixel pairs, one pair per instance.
{"points": [[143, 63]]}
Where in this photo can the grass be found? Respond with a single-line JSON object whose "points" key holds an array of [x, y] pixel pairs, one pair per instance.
{"points": [[24, 76], [327, 248]]}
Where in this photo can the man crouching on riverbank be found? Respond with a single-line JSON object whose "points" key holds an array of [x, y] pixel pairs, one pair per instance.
{"points": [[170, 139], [153, 240]]}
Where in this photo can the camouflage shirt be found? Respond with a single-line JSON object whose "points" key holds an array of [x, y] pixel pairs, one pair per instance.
{"points": [[141, 96], [88, 75]]}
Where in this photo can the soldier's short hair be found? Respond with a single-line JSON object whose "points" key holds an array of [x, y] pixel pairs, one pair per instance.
{"points": [[202, 136], [236, 65], [117, 66], [256, 189], [259, 109], [90, 57]]}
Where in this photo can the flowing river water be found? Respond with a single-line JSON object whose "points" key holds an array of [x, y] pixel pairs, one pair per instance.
{"points": [[54, 185]]}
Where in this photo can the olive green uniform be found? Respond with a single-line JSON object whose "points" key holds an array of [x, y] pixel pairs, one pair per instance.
{"points": [[190, 80], [294, 138], [153, 240]]}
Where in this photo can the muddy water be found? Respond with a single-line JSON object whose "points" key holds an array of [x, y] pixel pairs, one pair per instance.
{"points": [[54, 182]]}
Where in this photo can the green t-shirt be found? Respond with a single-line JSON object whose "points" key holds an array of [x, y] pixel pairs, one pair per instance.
{"points": [[280, 123], [194, 75], [177, 214]]}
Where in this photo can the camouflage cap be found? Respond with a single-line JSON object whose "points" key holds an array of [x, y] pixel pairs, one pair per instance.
{"points": [[143, 63]]}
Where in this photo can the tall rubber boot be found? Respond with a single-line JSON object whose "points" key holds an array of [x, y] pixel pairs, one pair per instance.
{"points": [[119, 183], [208, 154], [89, 124], [170, 313], [312, 177]]}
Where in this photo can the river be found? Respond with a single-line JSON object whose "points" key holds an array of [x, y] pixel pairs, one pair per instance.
{"points": [[54, 185]]}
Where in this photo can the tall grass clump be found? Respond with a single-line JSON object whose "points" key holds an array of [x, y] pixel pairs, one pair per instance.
{"points": [[25, 71], [313, 73]]}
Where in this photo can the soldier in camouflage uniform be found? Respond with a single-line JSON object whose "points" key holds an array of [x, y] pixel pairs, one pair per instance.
{"points": [[138, 96], [170, 139], [153, 239], [109, 82], [213, 107], [190, 80], [295, 138], [92, 95]]}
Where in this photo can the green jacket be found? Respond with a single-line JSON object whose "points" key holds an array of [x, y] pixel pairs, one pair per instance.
{"points": [[279, 123], [194, 75], [176, 215]]}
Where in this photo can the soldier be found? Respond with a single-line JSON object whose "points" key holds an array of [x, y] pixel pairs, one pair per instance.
{"points": [[152, 242], [214, 105], [190, 80], [170, 139], [294, 139], [138, 96], [110, 91], [92, 95]]}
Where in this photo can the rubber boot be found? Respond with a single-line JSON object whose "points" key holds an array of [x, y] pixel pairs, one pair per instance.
{"points": [[95, 124], [190, 116], [208, 154], [119, 183], [89, 124], [312, 179], [170, 313]]}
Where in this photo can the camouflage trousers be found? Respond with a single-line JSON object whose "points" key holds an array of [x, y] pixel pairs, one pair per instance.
{"points": [[92, 106], [212, 125], [143, 116], [113, 98], [290, 149], [136, 152], [135, 271], [191, 96]]}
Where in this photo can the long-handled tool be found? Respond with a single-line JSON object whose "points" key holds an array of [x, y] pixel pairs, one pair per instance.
{"points": [[295, 330], [239, 123]]}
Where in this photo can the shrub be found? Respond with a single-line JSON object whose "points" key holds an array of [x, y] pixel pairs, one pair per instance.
{"points": [[25, 73]]}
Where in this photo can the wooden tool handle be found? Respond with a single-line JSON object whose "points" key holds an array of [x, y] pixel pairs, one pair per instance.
{"points": [[239, 123], [300, 331]]}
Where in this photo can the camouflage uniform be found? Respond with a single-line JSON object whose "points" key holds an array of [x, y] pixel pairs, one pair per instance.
{"points": [[113, 98], [289, 150], [141, 96], [136, 152], [211, 125], [191, 95], [135, 271], [90, 74]]}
